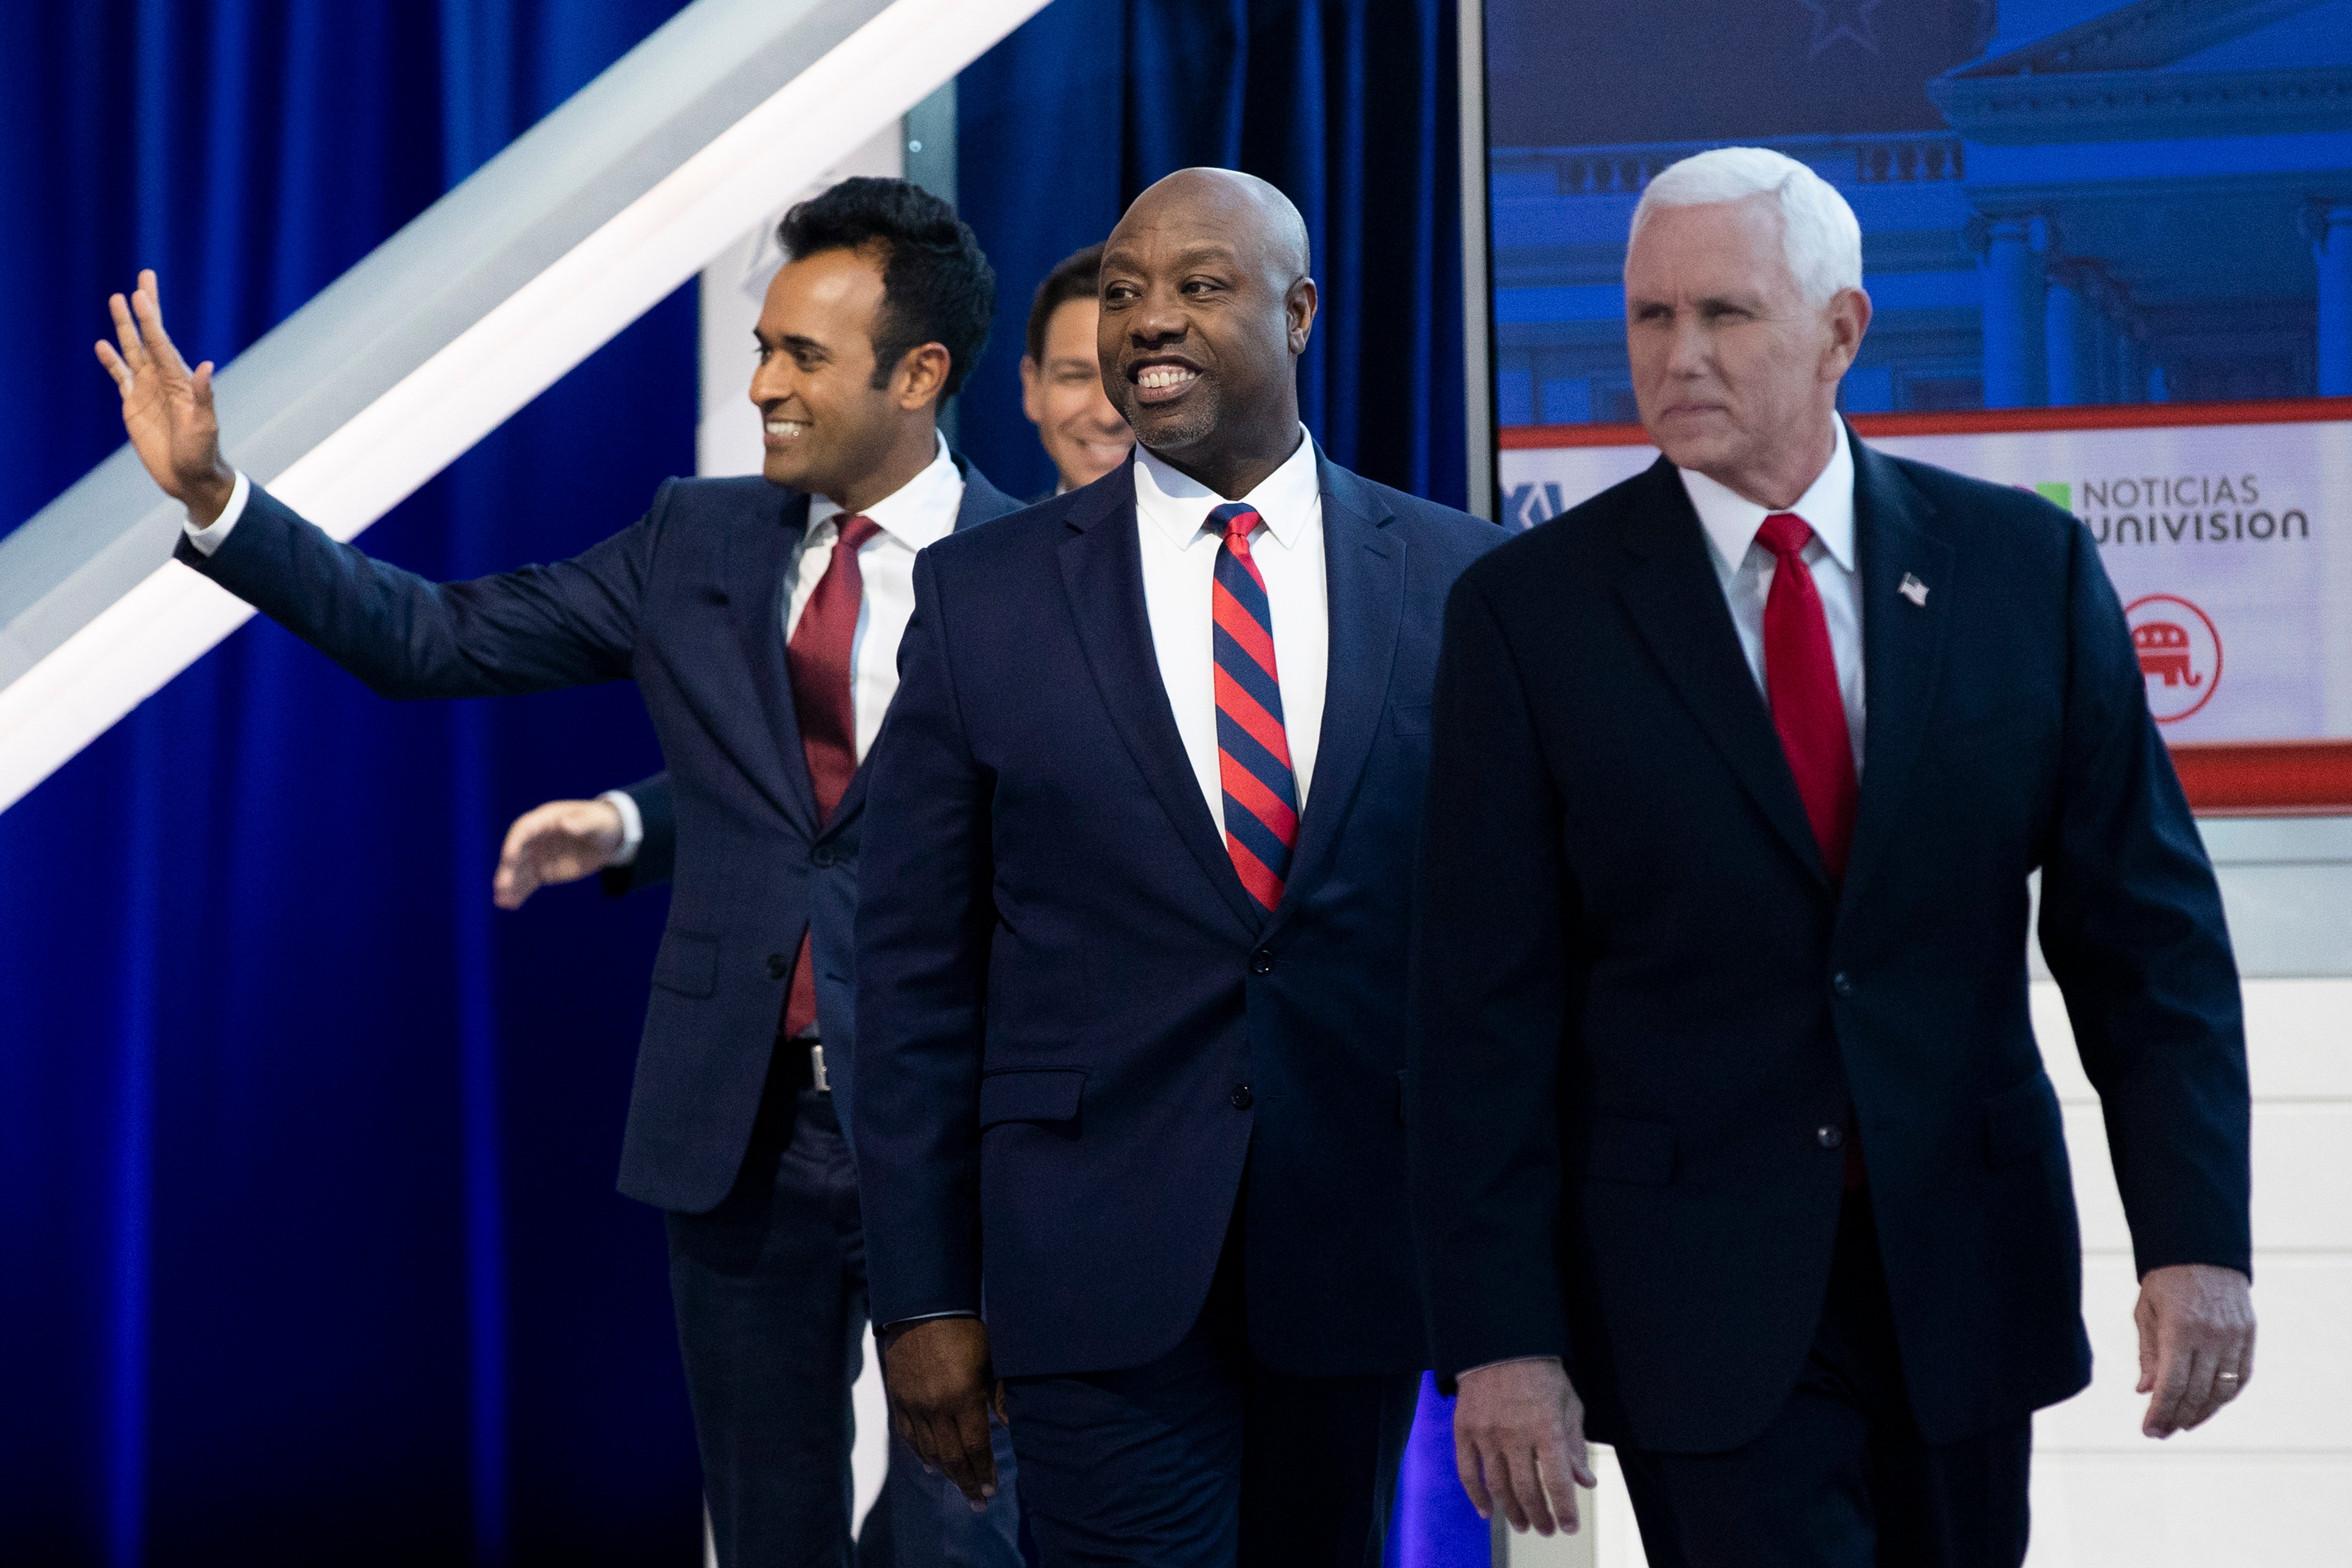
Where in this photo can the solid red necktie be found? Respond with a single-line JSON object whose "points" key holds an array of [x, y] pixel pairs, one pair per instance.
{"points": [[1800, 679], [818, 661]]}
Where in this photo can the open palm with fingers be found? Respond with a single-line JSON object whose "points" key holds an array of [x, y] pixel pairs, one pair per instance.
{"points": [[561, 841], [166, 408]]}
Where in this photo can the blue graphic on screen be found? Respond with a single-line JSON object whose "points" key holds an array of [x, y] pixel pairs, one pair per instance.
{"points": [[2063, 202]]}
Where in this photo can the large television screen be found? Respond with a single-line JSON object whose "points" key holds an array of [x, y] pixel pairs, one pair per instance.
{"points": [[2109, 251]]}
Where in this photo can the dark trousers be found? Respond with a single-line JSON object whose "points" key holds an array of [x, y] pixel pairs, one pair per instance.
{"points": [[1841, 1478], [1207, 1457], [771, 1294]]}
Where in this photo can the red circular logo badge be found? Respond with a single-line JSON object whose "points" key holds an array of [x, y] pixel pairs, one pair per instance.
{"points": [[2179, 654]]}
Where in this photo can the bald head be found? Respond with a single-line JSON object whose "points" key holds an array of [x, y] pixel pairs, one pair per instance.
{"points": [[1248, 209], [1206, 307]]}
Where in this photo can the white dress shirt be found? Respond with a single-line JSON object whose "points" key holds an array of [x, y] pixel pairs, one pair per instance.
{"points": [[1745, 569], [1179, 565], [917, 513]]}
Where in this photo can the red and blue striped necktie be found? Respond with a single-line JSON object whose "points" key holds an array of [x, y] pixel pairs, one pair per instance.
{"points": [[1252, 750]]}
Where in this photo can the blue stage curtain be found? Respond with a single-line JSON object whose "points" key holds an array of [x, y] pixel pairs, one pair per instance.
{"points": [[1350, 106], [309, 1246]]}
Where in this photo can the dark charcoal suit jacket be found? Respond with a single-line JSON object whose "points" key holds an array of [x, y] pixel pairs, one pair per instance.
{"points": [[1080, 1041], [688, 601], [1639, 998]]}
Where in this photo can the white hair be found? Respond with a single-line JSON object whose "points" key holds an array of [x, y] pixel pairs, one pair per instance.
{"points": [[1818, 231]]}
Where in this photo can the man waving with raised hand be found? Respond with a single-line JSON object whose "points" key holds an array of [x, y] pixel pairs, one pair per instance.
{"points": [[759, 617]]}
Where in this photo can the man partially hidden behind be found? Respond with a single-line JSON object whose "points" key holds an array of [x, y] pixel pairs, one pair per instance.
{"points": [[758, 617], [1730, 1132], [1061, 379], [1131, 940]]}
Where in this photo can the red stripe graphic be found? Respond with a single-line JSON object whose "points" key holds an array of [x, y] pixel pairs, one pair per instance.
{"points": [[1246, 711], [1243, 628], [1263, 885], [1249, 791]]}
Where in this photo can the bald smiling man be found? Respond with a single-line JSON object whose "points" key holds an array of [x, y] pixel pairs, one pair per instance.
{"points": [[1131, 946]]}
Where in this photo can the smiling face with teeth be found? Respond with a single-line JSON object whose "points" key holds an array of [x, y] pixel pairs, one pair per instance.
{"points": [[828, 429], [1206, 307]]}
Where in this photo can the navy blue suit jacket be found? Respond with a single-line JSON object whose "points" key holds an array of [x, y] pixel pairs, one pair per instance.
{"points": [[1081, 1040], [688, 601], [1640, 1000]]}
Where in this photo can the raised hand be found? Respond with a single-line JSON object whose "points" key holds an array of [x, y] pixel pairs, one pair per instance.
{"points": [[561, 841], [167, 410]]}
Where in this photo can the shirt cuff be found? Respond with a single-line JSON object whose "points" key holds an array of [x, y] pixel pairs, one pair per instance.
{"points": [[207, 540], [632, 825]]}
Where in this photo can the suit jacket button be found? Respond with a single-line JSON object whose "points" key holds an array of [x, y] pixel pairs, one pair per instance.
{"points": [[1841, 984], [825, 855], [1261, 962], [778, 966], [1829, 1137], [1241, 1096]]}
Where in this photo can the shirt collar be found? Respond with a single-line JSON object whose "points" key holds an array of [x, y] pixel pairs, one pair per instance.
{"points": [[1289, 499], [1731, 519], [921, 511]]}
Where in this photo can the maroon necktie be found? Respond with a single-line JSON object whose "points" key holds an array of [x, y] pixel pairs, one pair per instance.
{"points": [[1802, 681], [818, 657]]}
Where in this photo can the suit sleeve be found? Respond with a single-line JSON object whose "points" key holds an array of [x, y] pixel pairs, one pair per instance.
{"points": [[571, 624], [1489, 1011], [925, 919], [657, 857], [2132, 927]]}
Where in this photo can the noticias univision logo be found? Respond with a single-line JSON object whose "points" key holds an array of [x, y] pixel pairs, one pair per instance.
{"points": [[2149, 525]]}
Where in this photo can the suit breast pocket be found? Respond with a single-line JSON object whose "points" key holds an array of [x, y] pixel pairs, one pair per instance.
{"points": [[688, 963]]}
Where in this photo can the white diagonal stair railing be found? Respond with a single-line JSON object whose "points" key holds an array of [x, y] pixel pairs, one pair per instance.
{"points": [[467, 313]]}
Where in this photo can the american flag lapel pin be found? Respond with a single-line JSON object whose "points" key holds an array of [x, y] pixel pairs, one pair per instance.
{"points": [[1914, 590]]}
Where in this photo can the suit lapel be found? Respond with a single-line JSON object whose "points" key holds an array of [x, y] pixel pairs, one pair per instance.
{"points": [[1102, 572], [1901, 643], [982, 501], [755, 575], [1364, 567], [1676, 601]]}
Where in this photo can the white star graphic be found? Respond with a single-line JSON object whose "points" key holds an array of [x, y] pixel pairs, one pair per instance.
{"points": [[1835, 19]]}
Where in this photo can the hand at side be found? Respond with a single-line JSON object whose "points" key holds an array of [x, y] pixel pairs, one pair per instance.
{"points": [[943, 1389], [561, 841], [2196, 1344], [1519, 1442], [166, 409]]}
